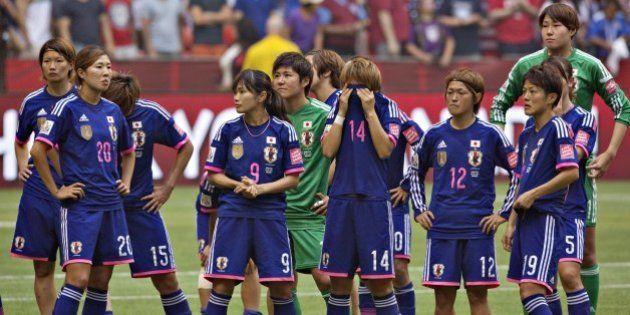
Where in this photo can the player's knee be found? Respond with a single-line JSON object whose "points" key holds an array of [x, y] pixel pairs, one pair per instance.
{"points": [[570, 278], [477, 295], [44, 269], [380, 287], [401, 271], [79, 280], [165, 283], [528, 289], [281, 290], [444, 300]]}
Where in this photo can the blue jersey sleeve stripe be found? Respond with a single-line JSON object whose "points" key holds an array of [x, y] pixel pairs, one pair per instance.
{"points": [[28, 97], [60, 105]]}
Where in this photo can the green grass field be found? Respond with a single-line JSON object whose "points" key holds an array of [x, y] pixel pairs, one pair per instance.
{"points": [[139, 297]]}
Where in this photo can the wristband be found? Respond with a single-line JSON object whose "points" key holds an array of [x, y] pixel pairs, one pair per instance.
{"points": [[339, 120]]}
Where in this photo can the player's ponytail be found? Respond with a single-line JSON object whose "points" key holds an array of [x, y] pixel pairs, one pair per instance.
{"points": [[123, 90], [258, 82]]}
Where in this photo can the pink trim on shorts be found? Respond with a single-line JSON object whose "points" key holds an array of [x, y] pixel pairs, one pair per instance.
{"points": [[334, 274], [150, 273], [392, 139], [128, 151], [277, 279], [20, 142], [586, 154], [28, 257], [294, 171], [566, 165], [513, 280], [387, 276], [207, 210], [402, 256], [117, 262], [213, 169], [491, 284], [75, 261], [577, 260], [431, 284], [180, 144], [210, 276], [46, 141], [549, 289]]}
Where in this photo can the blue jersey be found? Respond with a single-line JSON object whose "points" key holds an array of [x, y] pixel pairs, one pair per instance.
{"points": [[463, 163], [359, 170], [90, 138], [411, 134], [208, 197], [265, 154], [541, 156], [333, 98], [150, 124], [32, 116]]}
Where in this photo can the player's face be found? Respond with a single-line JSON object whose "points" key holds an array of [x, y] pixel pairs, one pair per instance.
{"points": [[244, 100], [55, 67], [316, 80], [98, 75], [287, 83], [554, 34], [535, 98], [459, 99]]}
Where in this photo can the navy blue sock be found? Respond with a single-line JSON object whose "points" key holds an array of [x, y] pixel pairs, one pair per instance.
{"points": [[406, 298], [218, 303], [553, 300], [536, 305], [175, 303], [283, 306], [95, 301], [579, 303], [338, 305], [68, 300], [251, 312], [366, 303], [108, 313], [386, 305]]}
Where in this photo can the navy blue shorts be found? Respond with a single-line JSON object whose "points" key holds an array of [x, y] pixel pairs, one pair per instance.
{"points": [[537, 242], [152, 251], [402, 232], [36, 229], [94, 237], [237, 240], [203, 229], [573, 249], [358, 238], [447, 261]]}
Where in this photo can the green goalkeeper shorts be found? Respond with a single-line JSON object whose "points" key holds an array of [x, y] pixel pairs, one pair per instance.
{"points": [[306, 247], [590, 187]]}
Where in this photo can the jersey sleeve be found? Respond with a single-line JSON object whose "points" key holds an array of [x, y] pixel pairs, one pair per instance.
{"points": [[389, 118], [520, 152], [292, 155], [507, 159], [412, 132], [420, 162], [126, 144], [170, 134], [330, 119], [508, 93], [217, 155], [56, 126], [586, 135], [24, 129], [564, 146], [612, 94]]}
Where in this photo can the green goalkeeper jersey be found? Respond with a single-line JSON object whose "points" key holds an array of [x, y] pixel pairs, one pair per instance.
{"points": [[309, 123], [592, 77]]}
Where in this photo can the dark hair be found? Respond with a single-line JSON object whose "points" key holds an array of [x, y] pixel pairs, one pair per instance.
{"points": [[325, 60], [564, 67], [123, 90], [473, 82], [547, 78], [562, 13], [257, 82], [298, 63], [86, 58], [60, 46]]}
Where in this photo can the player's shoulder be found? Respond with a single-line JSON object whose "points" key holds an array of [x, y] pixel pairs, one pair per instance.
{"points": [[560, 127], [283, 127], [531, 60], [591, 63], [385, 104], [586, 118], [494, 131], [32, 99], [149, 107], [319, 107], [437, 129], [67, 103]]}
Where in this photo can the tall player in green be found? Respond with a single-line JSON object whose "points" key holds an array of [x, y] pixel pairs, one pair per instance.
{"points": [[306, 204], [559, 23]]}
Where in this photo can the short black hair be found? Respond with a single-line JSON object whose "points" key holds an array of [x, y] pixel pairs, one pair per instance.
{"points": [[298, 63], [547, 78]]}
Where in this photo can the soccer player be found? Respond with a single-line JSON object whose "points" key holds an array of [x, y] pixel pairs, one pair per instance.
{"points": [[306, 204], [254, 159], [463, 152], [361, 131], [327, 66], [89, 132], [559, 23], [547, 164], [36, 231], [151, 124]]}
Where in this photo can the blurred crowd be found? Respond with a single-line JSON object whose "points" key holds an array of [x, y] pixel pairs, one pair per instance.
{"points": [[430, 31]]}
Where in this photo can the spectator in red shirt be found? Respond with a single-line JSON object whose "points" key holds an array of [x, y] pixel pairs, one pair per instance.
{"points": [[514, 24], [122, 28], [389, 27], [343, 26]]}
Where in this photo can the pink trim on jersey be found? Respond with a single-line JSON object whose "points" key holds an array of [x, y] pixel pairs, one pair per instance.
{"points": [[402, 256], [566, 165], [210, 276], [334, 274], [294, 171], [75, 261], [277, 279], [150, 273], [180, 144], [207, 210], [491, 284], [46, 141], [392, 139], [117, 262], [430, 284], [129, 151], [28, 257], [20, 142], [583, 147], [387, 276], [549, 289], [568, 259], [213, 169]]}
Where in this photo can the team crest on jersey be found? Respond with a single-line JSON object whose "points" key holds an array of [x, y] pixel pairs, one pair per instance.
{"points": [[307, 138], [40, 122], [222, 262], [532, 157], [475, 157], [86, 132], [441, 158], [48, 124], [270, 153], [139, 138], [113, 132], [211, 154], [438, 270], [19, 242], [325, 259], [237, 148], [76, 247]]}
